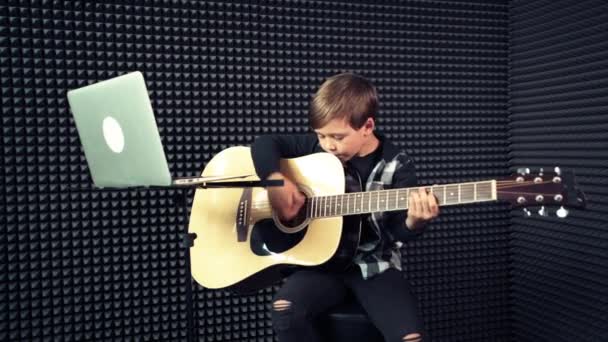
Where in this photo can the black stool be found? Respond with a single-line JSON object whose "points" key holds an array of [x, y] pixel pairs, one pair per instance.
{"points": [[347, 322]]}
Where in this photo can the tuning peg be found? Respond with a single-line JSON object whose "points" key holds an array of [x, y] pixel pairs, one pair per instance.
{"points": [[523, 171], [542, 211], [541, 172], [557, 171], [527, 212], [562, 212]]}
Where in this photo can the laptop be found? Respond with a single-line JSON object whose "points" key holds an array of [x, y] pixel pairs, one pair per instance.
{"points": [[118, 132]]}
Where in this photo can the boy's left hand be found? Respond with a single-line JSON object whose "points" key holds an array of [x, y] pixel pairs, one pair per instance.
{"points": [[422, 207]]}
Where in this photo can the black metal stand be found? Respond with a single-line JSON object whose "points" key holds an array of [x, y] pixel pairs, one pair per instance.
{"points": [[181, 200]]}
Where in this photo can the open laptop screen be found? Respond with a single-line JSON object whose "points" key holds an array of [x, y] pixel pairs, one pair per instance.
{"points": [[118, 132]]}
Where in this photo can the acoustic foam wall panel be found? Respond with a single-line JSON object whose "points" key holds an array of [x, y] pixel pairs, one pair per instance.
{"points": [[85, 264], [559, 83]]}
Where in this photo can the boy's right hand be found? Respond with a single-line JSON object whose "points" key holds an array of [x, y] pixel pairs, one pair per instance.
{"points": [[286, 200]]}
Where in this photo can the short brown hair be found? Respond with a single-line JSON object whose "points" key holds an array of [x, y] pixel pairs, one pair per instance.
{"points": [[343, 95]]}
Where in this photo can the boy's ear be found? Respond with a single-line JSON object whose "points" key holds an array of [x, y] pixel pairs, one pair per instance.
{"points": [[369, 125]]}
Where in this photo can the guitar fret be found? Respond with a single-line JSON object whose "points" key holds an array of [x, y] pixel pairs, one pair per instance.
{"points": [[395, 199], [399, 198], [336, 212], [338, 207], [309, 206], [348, 203], [386, 202], [474, 191], [459, 196], [321, 206], [335, 205], [397, 202], [452, 196], [468, 194], [361, 202], [362, 199], [312, 207], [485, 190]]}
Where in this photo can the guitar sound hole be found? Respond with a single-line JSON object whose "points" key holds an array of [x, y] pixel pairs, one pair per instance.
{"points": [[267, 239], [298, 219]]}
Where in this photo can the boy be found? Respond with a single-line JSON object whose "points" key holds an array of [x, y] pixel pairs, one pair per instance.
{"points": [[342, 114]]}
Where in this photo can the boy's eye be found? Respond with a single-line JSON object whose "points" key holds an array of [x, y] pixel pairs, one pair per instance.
{"points": [[333, 137]]}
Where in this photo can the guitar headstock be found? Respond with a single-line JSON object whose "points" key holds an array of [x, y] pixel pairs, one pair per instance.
{"points": [[544, 190]]}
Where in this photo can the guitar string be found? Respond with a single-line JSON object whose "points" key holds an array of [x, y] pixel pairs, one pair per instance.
{"points": [[393, 194], [393, 197]]}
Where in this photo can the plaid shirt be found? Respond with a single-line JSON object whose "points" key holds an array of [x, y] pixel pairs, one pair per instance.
{"points": [[395, 169]]}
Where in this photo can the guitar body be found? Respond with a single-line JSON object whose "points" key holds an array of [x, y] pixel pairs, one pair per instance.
{"points": [[246, 252]]}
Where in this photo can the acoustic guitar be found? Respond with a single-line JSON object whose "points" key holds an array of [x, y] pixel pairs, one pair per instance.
{"points": [[242, 246]]}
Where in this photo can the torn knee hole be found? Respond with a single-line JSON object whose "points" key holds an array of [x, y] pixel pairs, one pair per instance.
{"points": [[415, 337], [281, 305]]}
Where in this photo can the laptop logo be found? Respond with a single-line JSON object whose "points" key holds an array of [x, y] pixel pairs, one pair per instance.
{"points": [[112, 133]]}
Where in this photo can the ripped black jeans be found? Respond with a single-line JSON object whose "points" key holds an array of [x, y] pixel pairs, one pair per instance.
{"points": [[387, 298]]}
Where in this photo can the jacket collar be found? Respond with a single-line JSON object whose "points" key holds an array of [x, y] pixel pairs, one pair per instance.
{"points": [[389, 150]]}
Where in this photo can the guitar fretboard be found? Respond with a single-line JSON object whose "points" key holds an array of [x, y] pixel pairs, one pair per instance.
{"points": [[397, 199]]}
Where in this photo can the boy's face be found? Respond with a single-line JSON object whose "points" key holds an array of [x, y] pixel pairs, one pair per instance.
{"points": [[343, 141]]}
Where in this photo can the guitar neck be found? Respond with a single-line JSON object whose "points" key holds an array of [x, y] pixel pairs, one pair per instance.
{"points": [[357, 203]]}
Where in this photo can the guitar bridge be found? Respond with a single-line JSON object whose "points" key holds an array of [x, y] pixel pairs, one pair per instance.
{"points": [[242, 215]]}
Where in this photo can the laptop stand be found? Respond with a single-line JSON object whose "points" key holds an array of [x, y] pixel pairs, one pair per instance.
{"points": [[180, 200]]}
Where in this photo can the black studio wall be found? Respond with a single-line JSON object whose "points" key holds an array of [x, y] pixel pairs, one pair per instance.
{"points": [[81, 264], [559, 87]]}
